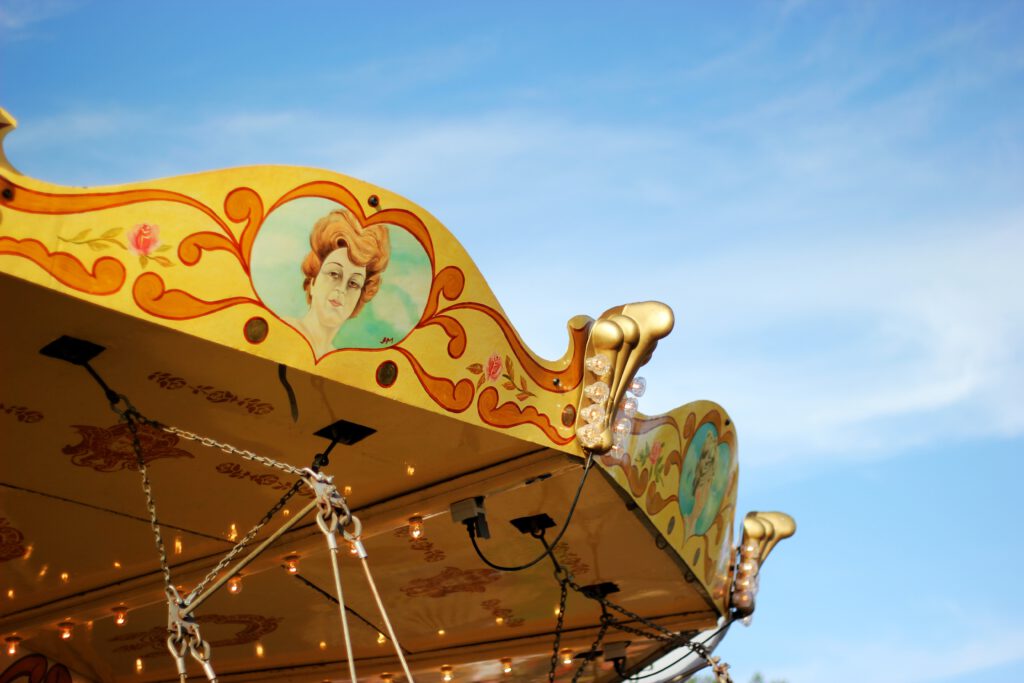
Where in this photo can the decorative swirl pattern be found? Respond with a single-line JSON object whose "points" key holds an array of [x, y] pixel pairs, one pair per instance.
{"points": [[106, 277]]}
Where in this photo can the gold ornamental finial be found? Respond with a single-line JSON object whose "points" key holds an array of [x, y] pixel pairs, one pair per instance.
{"points": [[621, 342]]}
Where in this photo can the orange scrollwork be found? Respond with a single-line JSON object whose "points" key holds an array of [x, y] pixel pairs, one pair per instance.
{"points": [[106, 277], [511, 415], [453, 397], [152, 296]]}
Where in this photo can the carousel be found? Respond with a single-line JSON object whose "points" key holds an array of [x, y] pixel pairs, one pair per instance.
{"points": [[271, 424]]}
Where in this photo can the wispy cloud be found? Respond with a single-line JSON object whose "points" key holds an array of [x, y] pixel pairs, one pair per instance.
{"points": [[18, 17]]}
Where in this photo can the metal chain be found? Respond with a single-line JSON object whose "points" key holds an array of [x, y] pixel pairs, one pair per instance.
{"points": [[668, 634], [228, 448], [558, 628], [132, 417], [593, 648], [226, 560]]}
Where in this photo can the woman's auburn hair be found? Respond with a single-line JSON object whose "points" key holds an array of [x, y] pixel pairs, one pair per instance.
{"points": [[369, 247]]}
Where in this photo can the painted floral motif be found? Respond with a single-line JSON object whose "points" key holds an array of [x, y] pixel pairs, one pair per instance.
{"points": [[570, 560], [253, 627], [22, 413], [506, 615], [170, 382], [650, 456], [451, 580], [110, 449], [143, 240], [12, 545], [492, 370], [236, 471], [430, 553]]}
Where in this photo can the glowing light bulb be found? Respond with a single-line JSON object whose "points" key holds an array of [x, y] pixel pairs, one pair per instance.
{"points": [[742, 599], [65, 629], [386, 678], [566, 656], [178, 548], [416, 526], [749, 549], [259, 649], [117, 565], [594, 413], [410, 470], [323, 644], [235, 585], [12, 644], [65, 577], [747, 567], [233, 533], [120, 615], [623, 428], [638, 386], [347, 491], [506, 665], [291, 564], [28, 552], [381, 639], [353, 548], [589, 435], [440, 631], [10, 593], [43, 570], [447, 673], [599, 365], [286, 513], [630, 406], [499, 620], [558, 610], [597, 392], [138, 665]]}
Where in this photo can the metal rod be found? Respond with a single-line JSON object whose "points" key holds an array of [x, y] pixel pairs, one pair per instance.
{"points": [[295, 519], [333, 545], [387, 621]]}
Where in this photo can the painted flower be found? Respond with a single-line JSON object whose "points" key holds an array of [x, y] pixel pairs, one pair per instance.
{"points": [[493, 367], [143, 239], [655, 452]]}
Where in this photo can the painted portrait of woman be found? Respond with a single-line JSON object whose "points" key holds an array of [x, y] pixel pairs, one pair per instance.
{"points": [[342, 273]]}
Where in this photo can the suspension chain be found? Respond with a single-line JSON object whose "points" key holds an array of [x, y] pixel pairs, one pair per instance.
{"points": [[594, 647], [228, 448], [564, 582], [226, 560], [132, 417]]}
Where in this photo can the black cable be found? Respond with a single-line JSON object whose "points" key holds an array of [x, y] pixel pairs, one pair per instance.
{"points": [[548, 550], [691, 652]]}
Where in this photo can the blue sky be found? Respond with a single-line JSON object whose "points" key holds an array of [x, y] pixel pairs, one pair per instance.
{"points": [[828, 194]]}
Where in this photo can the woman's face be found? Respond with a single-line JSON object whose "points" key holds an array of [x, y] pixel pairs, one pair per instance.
{"points": [[336, 288]]}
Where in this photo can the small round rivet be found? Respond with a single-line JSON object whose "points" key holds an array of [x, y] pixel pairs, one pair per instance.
{"points": [[373, 201]]}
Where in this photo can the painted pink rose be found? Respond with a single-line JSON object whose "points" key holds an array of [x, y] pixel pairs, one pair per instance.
{"points": [[493, 369], [655, 452], [143, 239]]}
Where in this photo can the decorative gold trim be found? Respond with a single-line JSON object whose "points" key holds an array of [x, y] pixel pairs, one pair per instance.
{"points": [[625, 336], [765, 530]]}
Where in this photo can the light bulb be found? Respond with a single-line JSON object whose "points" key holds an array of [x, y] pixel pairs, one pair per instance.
{"points": [[138, 665], [747, 567], [447, 673], [291, 563], [120, 615], [177, 545], [353, 549], [745, 583], [747, 620], [629, 406], [381, 639], [410, 470], [597, 392], [65, 629], [12, 644], [749, 549], [638, 386], [64, 577], [440, 631], [594, 413], [566, 656], [506, 665], [323, 644], [416, 527], [259, 649], [599, 365], [233, 533], [589, 435], [499, 620], [622, 430], [387, 678], [742, 599], [235, 585]]}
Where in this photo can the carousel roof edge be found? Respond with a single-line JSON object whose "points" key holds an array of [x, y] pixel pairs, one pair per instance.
{"points": [[249, 258]]}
